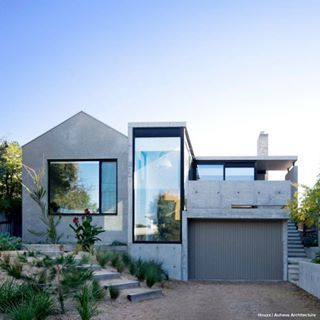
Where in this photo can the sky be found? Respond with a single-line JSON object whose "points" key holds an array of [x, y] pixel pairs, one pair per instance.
{"points": [[230, 69]]}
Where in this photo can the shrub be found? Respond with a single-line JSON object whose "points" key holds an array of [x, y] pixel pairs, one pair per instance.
{"points": [[114, 259], [85, 232], [22, 258], [140, 270], [120, 266], [85, 259], [103, 257], [8, 243], [12, 293], [98, 292], [310, 240], [13, 268], [154, 273], [34, 306], [114, 292], [87, 307], [316, 259], [126, 259]]}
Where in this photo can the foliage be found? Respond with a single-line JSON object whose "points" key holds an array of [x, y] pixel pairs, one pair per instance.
{"points": [[85, 258], [13, 268], [62, 276], [316, 259], [85, 232], [12, 293], [10, 177], [38, 194], [98, 292], [114, 292], [103, 257], [310, 240], [35, 306], [151, 271], [116, 243], [305, 207], [9, 243], [87, 306]]}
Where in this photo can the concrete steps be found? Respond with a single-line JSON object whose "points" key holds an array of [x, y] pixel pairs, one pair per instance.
{"points": [[121, 284], [142, 294], [293, 272], [105, 275], [295, 246], [131, 288]]}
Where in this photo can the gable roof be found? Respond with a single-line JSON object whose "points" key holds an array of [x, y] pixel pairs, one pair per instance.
{"points": [[79, 114]]}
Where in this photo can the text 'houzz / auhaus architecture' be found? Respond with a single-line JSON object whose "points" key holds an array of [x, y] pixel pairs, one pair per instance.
{"points": [[203, 217]]}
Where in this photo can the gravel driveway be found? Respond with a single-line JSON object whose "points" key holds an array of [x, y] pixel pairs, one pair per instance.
{"points": [[218, 300]]}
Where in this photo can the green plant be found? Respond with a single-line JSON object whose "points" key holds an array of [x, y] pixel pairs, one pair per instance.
{"points": [[10, 178], [87, 307], [103, 257], [316, 259], [98, 292], [38, 194], [120, 265], [85, 258], [13, 268], [85, 232], [34, 306], [117, 243], [22, 258], [8, 243], [140, 269], [310, 240], [114, 292], [126, 259]]}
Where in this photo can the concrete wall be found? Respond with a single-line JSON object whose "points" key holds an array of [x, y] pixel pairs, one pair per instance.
{"points": [[309, 277], [224, 194], [80, 137]]}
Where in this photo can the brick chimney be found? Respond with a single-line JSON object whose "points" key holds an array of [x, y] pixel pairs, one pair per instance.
{"points": [[262, 144]]}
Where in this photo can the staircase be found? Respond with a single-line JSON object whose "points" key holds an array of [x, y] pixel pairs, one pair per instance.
{"points": [[295, 246], [131, 288], [296, 252]]}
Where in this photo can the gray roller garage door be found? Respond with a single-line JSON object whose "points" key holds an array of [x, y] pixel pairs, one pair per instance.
{"points": [[235, 250]]}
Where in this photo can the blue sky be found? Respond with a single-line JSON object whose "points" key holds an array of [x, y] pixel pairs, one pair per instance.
{"points": [[228, 68]]}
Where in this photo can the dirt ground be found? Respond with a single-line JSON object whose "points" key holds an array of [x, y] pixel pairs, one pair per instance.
{"points": [[215, 300]]}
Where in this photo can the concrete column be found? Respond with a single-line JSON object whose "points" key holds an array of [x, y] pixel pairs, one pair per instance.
{"points": [[263, 144]]}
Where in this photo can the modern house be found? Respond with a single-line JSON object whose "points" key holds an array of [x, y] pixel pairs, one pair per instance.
{"points": [[203, 217]]}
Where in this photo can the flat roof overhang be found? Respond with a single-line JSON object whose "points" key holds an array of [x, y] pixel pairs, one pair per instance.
{"points": [[262, 162]]}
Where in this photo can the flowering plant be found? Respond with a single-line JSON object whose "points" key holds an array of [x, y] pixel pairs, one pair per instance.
{"points": [[85, 232]]}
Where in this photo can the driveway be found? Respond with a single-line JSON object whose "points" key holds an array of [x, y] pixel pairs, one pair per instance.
{"points": [[219, 300]]}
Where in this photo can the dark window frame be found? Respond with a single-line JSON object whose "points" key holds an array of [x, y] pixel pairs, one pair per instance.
{"points": [[100, 161], [159, 132], [229, 164]]}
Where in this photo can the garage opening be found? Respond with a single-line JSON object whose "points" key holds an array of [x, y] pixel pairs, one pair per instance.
{"points": [[235, 250]]}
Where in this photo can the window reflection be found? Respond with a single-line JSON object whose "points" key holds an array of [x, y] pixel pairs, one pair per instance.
{"points": [[157, 189], [210, 171], [239, 173]]}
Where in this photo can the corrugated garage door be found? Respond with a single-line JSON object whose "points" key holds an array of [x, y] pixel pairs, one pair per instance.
{"points": [[235, 250]]}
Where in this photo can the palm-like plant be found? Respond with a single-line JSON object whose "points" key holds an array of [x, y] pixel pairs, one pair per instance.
{"points": [[38, 194]]}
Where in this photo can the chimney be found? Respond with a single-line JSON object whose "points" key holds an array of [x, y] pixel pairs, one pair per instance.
{"points": [[262, 144]]}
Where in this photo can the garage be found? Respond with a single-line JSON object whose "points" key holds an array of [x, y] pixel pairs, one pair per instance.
{"points": [[235, 249]]}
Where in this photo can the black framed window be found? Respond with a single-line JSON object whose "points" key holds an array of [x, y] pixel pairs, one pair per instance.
{"points": [[158, 191], [77, 185]]}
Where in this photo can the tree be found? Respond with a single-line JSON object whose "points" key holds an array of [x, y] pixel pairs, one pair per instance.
{"points": [[10, 177], [305, 207]]}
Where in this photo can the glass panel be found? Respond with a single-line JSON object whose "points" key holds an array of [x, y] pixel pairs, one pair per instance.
{"points": [[210, 171], [74, 187], [157, 189], [239, 173], [109, 187]]}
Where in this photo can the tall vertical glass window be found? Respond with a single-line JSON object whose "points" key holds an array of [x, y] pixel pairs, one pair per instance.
{"points": [[157, 189]]}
